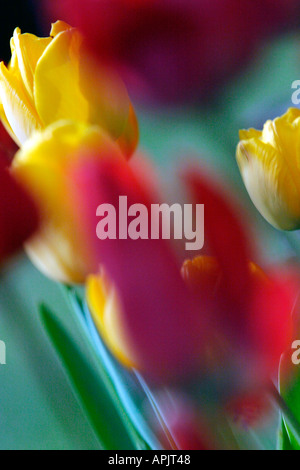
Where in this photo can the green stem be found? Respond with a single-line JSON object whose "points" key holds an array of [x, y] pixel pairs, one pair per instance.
{"points": [[291, 420], [157, 412]]}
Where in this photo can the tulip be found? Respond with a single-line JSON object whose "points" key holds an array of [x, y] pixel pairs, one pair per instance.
{"points": [[42, 166], [54, 78], [244, 318], [253, 309], [176, 50], [143, 291], [150, 316], [269, 164], [19, 216]]}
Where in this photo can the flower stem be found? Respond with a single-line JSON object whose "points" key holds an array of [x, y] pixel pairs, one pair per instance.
{"points": [[290, 418]]}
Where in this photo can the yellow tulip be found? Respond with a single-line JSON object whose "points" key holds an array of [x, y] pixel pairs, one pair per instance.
{"points": [[269, 162], [42, 164], [54, 78], [106, 312]]}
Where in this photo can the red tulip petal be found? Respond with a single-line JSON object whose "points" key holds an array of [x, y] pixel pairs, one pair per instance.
{"points": [[8, 147], [271, 319], [18, 214], [224, 233], [160, 319]]}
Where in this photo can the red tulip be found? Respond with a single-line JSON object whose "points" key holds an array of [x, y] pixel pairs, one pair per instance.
{"points": [[176, 331], [253, 308], [159, 315], [176, 49]]}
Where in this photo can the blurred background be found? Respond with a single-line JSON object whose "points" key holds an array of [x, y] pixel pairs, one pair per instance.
{"points": [[37, 407]]}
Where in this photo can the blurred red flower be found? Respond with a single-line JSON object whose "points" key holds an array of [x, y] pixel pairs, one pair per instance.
{"points": [[8, 147], [176, 49], [146, 273], [252, 308], [177, 331], [18, 214]]}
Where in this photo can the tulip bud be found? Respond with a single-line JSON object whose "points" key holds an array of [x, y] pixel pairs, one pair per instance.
{"points": [[54, 78], [269, 164]]}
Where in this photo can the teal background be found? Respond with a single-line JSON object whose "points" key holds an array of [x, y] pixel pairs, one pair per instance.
{"points": [[37, 407]]}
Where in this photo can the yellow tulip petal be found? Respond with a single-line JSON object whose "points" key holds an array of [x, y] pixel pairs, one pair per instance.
{"points": [[109, 104], [57, 90], [70, 85], [54, 78], [18, 109], [42, 166], [29, 49], [58, 27], [6, 123], [63, 141], [269, 161], [13, 65], [106, 313], [245, 134], [271, 184], [290, 115], [56, 248]]}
